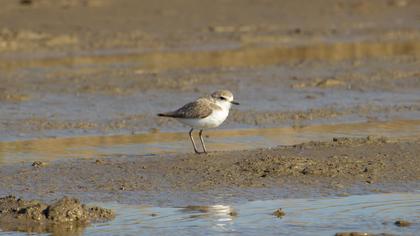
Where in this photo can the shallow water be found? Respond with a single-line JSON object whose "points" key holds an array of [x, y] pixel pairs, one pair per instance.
{"points": [[157, 143], [325, 216], [371, 213]]}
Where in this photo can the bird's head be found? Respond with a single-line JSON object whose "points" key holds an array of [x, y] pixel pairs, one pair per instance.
{"points": [[224, 98]]}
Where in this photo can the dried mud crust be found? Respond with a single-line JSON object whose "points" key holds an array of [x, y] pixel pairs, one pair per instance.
{"points": [[34, 216], [340, 163]]}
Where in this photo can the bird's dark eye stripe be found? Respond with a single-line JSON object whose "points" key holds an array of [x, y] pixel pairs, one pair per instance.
{"points": [[222, 98]]}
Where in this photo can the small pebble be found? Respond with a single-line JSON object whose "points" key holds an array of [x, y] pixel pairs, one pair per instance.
{"points": [[233, 213], [279, 213], [38, 164], [402, 223], [26, 2]]}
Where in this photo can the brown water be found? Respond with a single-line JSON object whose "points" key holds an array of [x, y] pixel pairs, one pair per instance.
{"points": [[50, 149]]}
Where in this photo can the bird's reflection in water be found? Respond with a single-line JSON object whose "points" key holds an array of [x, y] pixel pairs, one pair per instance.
{"points": [[220, 215]]}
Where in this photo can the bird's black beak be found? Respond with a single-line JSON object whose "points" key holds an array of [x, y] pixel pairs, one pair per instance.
{"points": [[234, 102]]}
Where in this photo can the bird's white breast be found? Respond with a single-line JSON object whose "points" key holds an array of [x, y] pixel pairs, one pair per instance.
{"points": [[215, 119]]}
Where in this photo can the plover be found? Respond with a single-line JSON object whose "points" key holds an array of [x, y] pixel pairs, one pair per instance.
{"points": [[204, 113]]}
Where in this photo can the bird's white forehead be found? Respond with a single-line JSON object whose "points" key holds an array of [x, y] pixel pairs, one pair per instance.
{"points": [[222, 93]]}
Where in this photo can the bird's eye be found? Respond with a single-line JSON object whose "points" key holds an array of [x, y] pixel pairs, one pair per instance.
{"points": [[222, 98]]}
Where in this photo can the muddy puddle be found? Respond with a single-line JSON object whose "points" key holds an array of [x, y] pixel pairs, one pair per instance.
{"points": [[372, 214], [150, 144]]}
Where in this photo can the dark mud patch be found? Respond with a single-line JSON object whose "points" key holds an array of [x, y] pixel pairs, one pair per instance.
{"points": [[66, 215]]}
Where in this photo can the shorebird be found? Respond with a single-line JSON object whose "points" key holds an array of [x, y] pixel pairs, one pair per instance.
{"points": [[204, 113]]}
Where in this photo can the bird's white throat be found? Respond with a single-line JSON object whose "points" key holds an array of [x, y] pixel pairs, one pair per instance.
{"points": [[225, 105]]}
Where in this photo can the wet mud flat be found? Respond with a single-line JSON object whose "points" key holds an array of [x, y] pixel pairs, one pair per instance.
{"points": [[98, 67], [108, 66], [342, 166]]}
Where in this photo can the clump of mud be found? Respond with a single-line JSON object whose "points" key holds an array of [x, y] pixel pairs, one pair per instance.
{"points": [[402, 223], [279, 213], [67, 215]]}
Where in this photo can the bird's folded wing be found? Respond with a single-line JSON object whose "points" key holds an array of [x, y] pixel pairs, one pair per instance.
{"points": [[194, 110]]}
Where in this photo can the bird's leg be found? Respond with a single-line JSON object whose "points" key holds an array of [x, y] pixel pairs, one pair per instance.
{"points": [[202, 141], [193, 143]]}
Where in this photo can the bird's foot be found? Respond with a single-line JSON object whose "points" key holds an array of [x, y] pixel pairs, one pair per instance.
{"points": [[197, 152]]}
